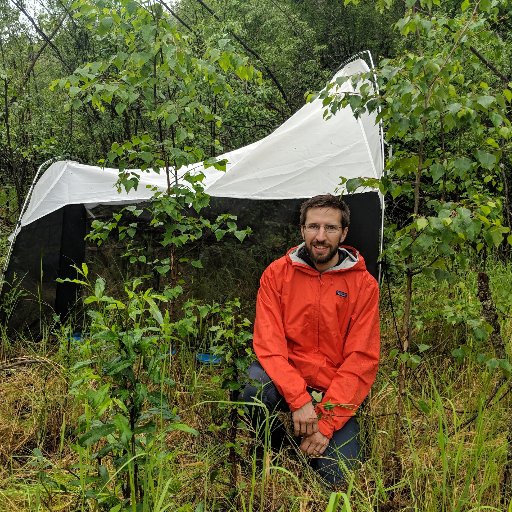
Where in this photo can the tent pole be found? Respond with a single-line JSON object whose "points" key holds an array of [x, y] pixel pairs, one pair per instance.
{"points": [[18, 223]]}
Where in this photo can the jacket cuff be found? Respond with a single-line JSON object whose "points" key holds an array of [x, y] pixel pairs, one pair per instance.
{"points": [[327, 425], [325, 429], [301, 400]]}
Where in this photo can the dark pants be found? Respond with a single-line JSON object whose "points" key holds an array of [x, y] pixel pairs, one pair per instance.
{"points": [[344, 450]]}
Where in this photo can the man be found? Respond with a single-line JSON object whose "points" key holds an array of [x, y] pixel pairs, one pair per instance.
{"points": [[317, 331]]}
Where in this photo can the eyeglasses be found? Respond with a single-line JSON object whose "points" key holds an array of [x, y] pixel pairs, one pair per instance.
{"points": [[328, 228]]}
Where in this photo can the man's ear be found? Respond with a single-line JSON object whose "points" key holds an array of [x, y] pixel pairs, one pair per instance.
{"points": [[302, 232], [344, 233]]}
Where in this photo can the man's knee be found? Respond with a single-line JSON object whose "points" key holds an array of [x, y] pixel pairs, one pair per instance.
{"points": [[260, 388]]}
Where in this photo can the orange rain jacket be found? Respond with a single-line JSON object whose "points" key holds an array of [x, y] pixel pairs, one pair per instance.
{"points": [[319, 330]]}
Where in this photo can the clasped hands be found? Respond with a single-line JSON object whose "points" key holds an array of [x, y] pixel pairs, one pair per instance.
{"points": [[305, 424]]}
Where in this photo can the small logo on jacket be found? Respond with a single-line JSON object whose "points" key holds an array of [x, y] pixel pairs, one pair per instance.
{"points": [[339, 293]]}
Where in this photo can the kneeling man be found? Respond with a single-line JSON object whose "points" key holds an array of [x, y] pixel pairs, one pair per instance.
{"points": [[316, 337]]}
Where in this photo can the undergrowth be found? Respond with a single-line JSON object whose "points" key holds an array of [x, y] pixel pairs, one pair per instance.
{"points": [[450, 456]]}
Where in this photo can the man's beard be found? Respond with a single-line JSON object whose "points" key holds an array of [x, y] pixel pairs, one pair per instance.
{"points": [[322, 259]]}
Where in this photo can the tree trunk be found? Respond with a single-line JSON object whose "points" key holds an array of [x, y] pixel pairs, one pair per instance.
{"points": [[490, 314]]}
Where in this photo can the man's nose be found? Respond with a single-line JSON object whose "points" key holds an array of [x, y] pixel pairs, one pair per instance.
{"points": [[321, 233]]}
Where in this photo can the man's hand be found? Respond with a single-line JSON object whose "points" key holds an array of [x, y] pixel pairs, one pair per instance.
{"points": [[305, 420], [315, 444]]}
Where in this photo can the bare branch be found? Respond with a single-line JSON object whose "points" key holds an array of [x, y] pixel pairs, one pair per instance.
{"points": [[38, 29]]}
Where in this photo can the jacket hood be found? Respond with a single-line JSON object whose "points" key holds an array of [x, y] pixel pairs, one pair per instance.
{"points": [[350, 258]]}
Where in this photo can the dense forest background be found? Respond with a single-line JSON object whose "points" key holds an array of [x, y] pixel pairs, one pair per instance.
{"points": [[115, 417], [294, 48]]}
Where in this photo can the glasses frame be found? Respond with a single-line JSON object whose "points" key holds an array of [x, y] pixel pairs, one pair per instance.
{"points": [[330, 229]]}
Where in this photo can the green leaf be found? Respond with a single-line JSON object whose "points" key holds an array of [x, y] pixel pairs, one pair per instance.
{"points": [[462, 166], [163, 269], [146, 156], [105, 25], [120, 108], [82, 364], [122, 424], [494, 236], [73, 91], [184, 428], [197, 263], [492, 364], [353, 184], [487, 160], [242, 72], [424, 406], [99, 287], [241, 234], [219, 234], [67, 280], [155, 311], [421, 223], [95, 434], [506, 367], [496, 119], [117, 367], [437, 172], [486, 101]]}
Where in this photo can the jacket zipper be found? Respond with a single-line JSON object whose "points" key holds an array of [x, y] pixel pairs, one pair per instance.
{"points": [[320, 282]]}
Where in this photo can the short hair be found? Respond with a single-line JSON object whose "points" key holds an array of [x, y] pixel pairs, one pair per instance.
{"points": [[326, 201]]}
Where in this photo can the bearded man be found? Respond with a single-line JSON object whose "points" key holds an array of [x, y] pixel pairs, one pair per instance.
{"points": [[316, 337]]}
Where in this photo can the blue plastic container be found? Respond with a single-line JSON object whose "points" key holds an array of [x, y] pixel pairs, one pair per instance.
{"points": [[208, 358]]}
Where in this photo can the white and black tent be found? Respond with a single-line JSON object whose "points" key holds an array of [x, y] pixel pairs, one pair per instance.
{"points": [[304, 157]]}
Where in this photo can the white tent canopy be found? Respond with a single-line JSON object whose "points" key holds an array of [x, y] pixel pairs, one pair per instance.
{"points": [[304, 157]]}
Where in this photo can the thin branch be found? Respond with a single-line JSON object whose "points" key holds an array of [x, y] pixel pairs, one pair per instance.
{"points": [[173, 13], [474, 416], [507, 202], [6, 103], [41, 50], [490, 65]]}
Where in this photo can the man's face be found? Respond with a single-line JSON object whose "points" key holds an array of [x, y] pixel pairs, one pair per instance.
{"points": [[321, 239]]}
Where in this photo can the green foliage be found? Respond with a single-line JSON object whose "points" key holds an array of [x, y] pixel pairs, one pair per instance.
{"points": [[221, 330], [176, 222], [121, 74], [448, 460], [232, 342], [150, 76], [338, 501], [138, 92], [122, 378], [123, 381]]}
